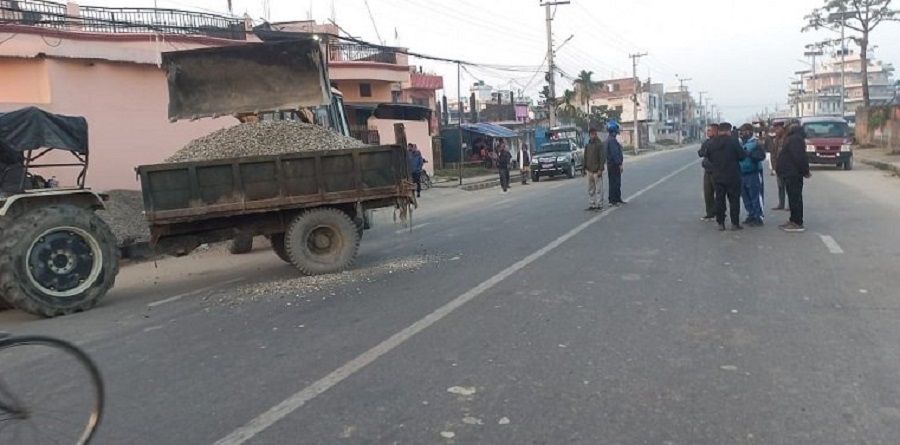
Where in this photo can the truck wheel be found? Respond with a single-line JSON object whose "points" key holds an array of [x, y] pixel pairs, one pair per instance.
{"points": [[279, 248], [57, 260], [240, 245], [4, 221], [322, 241], [535, 178], [571, 172], [849, 164]]}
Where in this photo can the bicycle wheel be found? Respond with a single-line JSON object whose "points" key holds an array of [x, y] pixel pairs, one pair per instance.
{"points": [[426, 181], [50, 392]]}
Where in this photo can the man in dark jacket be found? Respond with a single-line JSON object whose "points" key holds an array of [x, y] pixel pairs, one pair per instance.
{"points": [[12, 170], [503, 158], [792, 166], [725, 156], [594, 163], [525, 168], [775, 144], [709, 186], [615, 160]]}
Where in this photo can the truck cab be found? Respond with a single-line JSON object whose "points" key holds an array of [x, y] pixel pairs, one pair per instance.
{"points": [[828, 141]]}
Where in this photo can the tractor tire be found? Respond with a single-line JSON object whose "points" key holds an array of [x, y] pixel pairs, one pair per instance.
{"points": [[322, 241], [240, 245], [4, 221], [57, 260], [277, 241]]}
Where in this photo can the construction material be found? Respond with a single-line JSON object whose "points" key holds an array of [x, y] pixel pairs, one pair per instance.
{"points": [[261, 139]]}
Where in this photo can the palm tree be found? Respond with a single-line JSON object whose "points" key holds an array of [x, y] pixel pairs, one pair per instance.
{"points": [[586, 86], [566, 107]]}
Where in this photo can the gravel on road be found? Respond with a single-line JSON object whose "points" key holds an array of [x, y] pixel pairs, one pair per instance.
{"points": [[263, 138]]}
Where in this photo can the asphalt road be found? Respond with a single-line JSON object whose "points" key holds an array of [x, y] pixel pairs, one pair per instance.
{"points": [[522, 319]]}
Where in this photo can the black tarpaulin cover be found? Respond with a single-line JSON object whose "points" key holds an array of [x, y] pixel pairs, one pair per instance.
{"points": [[32, 128]]}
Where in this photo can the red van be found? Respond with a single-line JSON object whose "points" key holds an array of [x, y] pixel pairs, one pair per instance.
{"points": [[828, 141]]}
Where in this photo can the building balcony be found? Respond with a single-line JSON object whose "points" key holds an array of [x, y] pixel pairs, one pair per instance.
{"points": [[93, 19], [364, 62]]}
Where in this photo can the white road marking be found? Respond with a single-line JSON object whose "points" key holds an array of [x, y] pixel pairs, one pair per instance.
{"points": [[305, 395], [831, 244], [192, 293]]}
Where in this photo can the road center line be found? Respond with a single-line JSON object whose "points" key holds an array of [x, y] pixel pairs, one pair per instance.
{"points": [[192, 293], [411, 228], [831, 244], [302, 397]]}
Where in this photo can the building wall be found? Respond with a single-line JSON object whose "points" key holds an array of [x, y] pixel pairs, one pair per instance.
{"points": [[24, 81], [126, 109], [416, 133], [381, 91]]}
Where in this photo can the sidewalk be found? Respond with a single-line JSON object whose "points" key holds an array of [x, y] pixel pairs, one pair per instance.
{"points": [[493, 180], [879, 158]]}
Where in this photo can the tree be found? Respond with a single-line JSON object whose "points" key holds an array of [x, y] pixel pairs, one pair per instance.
{"points": [[585, 86], [861, 16], [566, 108]]}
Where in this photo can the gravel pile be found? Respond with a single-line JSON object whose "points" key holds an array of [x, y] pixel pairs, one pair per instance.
{"points": [[124, 214], [300, 288], [263, 138]]}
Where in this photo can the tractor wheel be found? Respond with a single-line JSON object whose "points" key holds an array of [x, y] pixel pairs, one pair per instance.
{"points": [[57, 260], [322, 241]]}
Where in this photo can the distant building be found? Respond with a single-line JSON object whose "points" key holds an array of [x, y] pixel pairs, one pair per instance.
{"points": [[618, 95], [821, 95]]}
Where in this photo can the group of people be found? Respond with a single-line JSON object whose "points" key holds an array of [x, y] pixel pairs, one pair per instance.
{"points": [[604, 154], [734, 171]]}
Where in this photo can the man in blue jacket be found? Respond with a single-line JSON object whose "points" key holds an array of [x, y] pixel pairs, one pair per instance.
{"points": [[751, 176], [614, 164], [416, 164]]}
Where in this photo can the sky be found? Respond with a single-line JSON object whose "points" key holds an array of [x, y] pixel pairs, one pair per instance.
{"points": [[742, 53]]}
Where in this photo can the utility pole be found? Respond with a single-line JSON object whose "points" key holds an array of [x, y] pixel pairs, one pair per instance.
{"points": [[815, 86], [459, 119], [636, 134], [551, 63], [683, 109], [702, 110]]}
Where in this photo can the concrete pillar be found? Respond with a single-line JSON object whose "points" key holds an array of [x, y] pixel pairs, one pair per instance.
{"points": [[73, 10]]}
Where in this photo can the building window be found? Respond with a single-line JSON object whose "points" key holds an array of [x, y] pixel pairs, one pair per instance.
{"points": [[395, 96], [421, 102], [365, 90]]}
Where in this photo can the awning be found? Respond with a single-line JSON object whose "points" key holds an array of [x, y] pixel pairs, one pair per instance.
{"points": [[494, 131]]}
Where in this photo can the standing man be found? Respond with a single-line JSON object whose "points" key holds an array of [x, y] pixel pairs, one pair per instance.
{"points": [[775, 146], [725, 156], [594, 163], [751, 175], [793, 166], [615, 160], [503, 158], [416, 164], [525, 168], [709, 186]]}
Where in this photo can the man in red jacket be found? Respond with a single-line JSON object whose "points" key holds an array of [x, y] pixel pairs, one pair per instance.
{"points": [[792, 166]]}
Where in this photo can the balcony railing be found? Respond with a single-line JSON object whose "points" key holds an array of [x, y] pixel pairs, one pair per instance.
{"points": [[121, 20], [351, 52]]}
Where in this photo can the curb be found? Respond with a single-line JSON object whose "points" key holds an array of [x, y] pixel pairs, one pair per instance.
{"points": [[880, 165]]}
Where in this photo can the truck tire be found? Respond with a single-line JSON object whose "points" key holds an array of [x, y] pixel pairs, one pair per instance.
{"points": [[277, 241], [849, 164], [57, 260], [322, 241], [4, 221], [570, 173], [240, 245]]}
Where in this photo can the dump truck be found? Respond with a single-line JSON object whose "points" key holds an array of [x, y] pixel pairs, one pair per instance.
{"points": [[58, 257]]}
